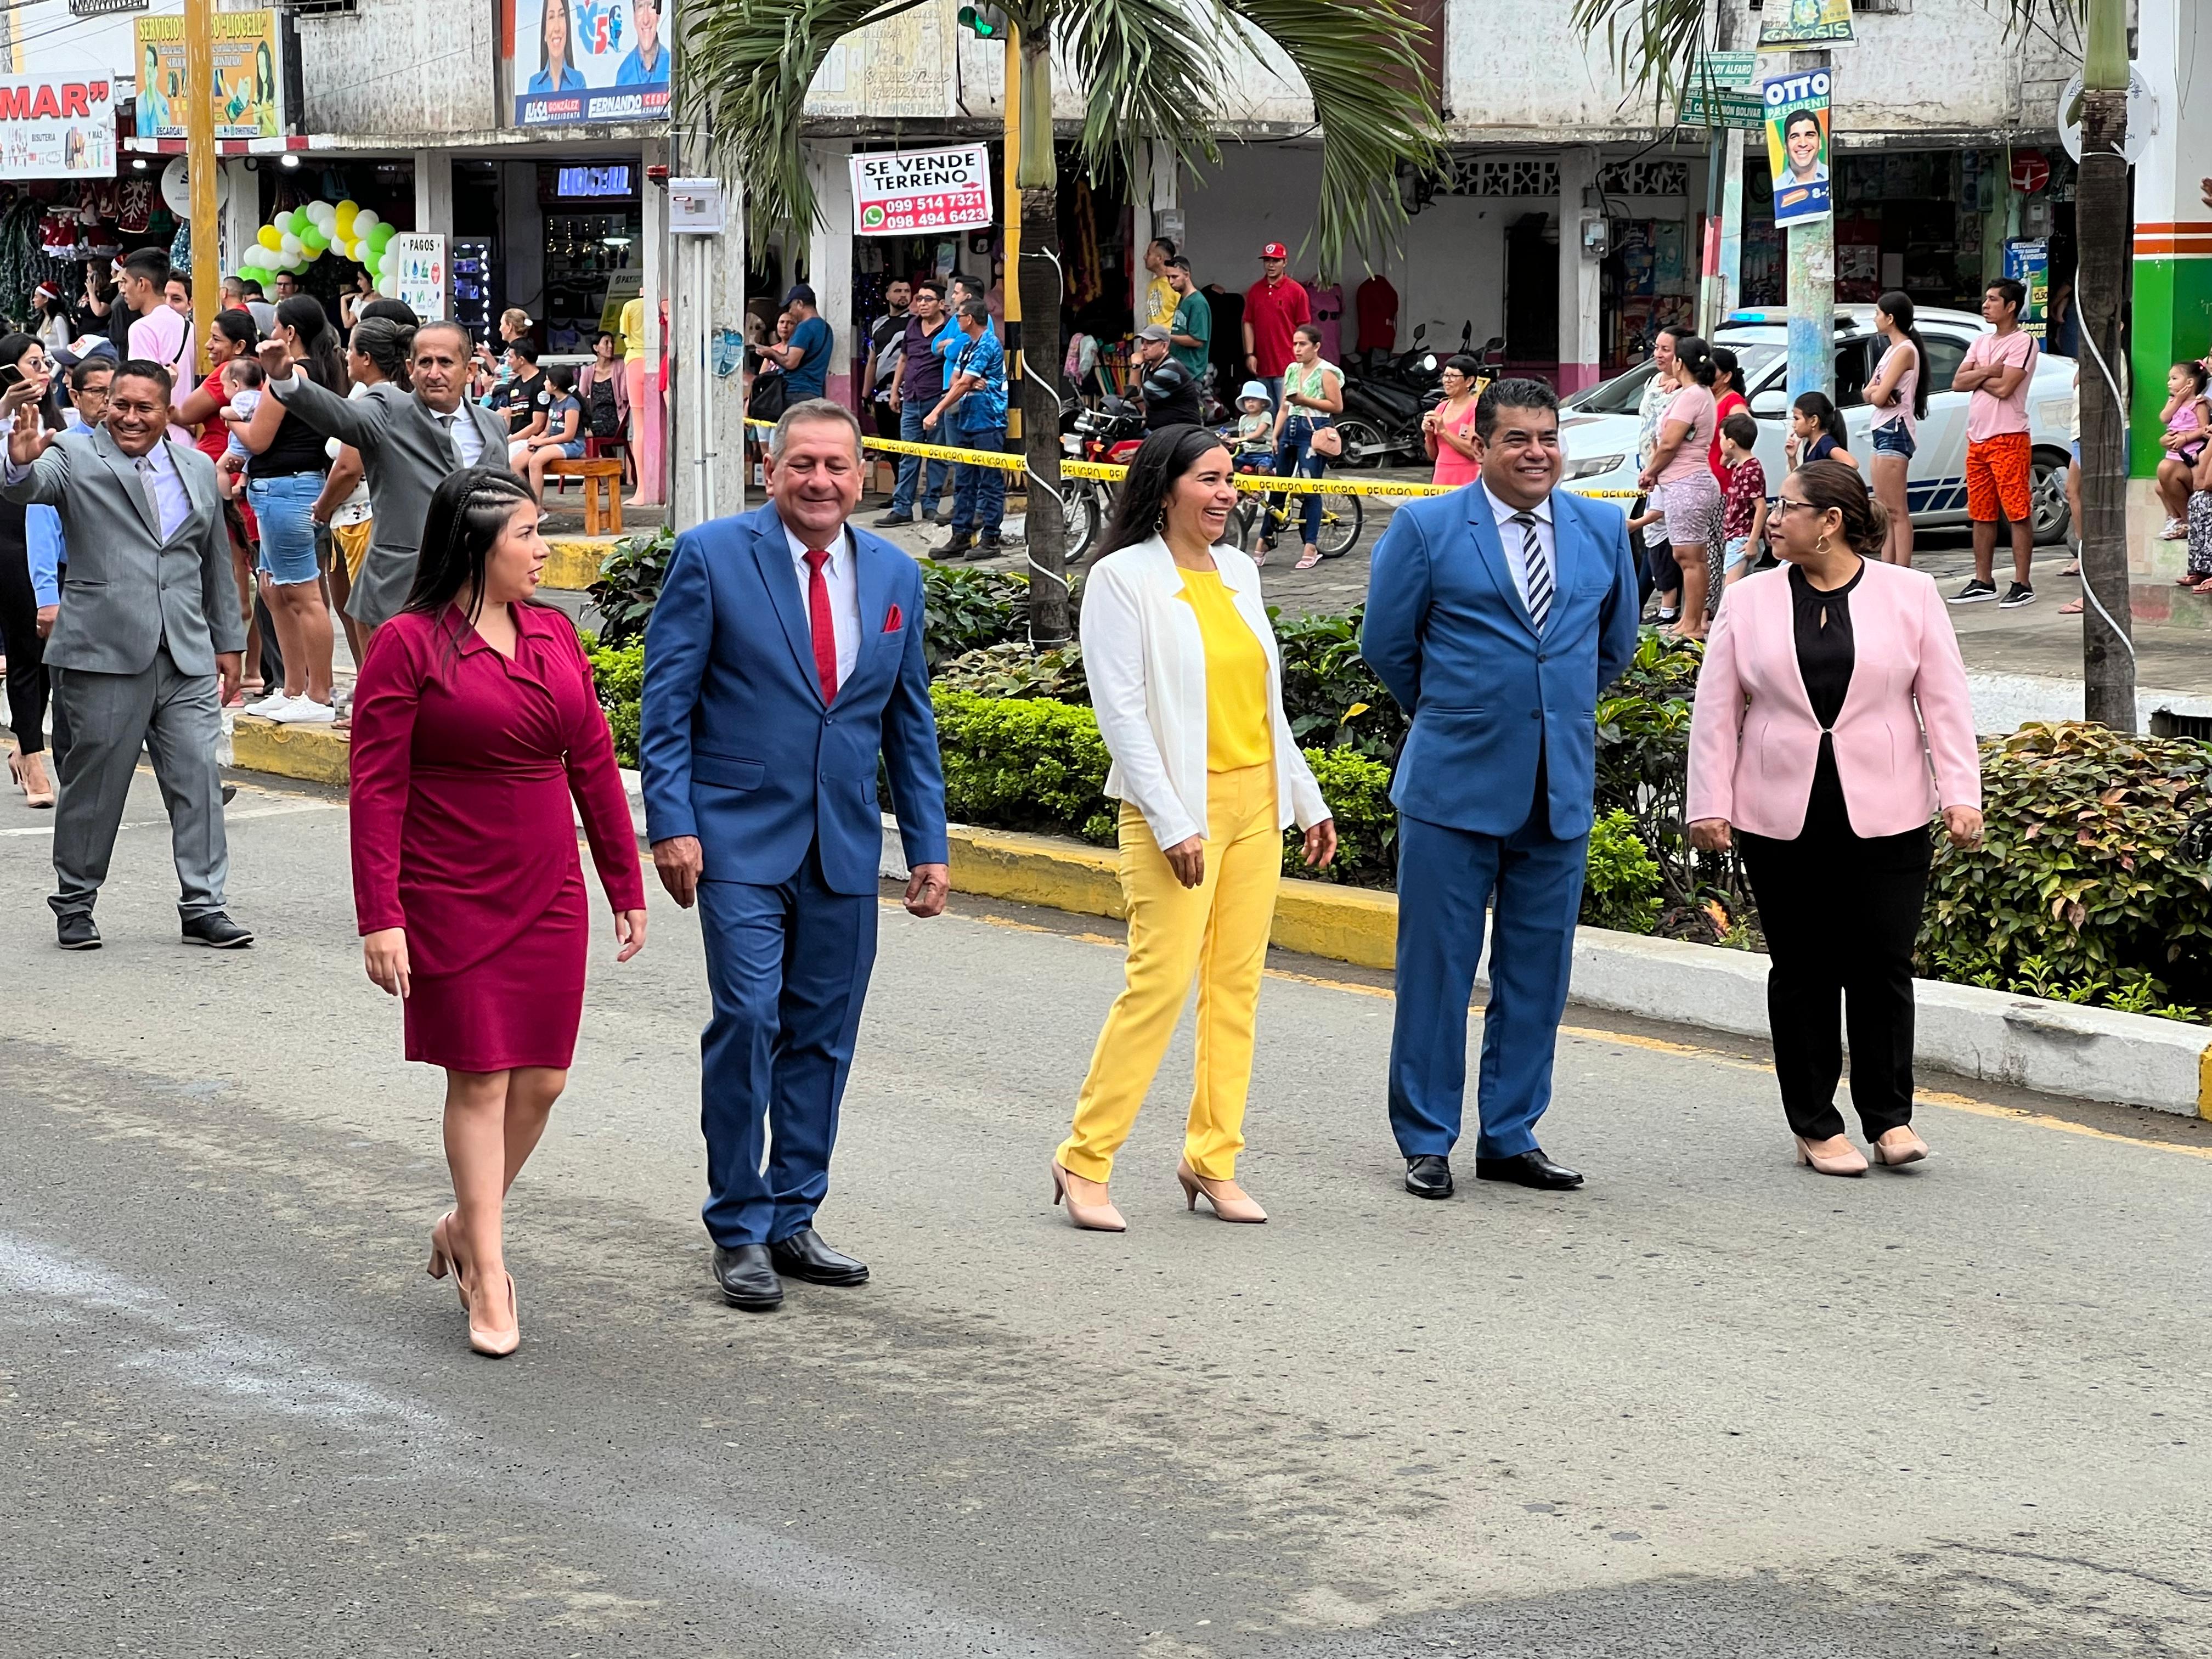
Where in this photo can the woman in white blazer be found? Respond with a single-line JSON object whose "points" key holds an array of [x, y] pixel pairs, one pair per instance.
{"points": [[1187, 689]]}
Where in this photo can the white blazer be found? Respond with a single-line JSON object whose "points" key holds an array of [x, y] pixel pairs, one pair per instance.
{"points": [[1145, 658]]}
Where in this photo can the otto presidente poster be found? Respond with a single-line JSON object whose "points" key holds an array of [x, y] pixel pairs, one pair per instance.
{"points": [[1797, 144], [590, 60]]}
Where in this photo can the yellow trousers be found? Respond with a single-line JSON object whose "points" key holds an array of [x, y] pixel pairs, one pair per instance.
{"points": [[1216, 934]]}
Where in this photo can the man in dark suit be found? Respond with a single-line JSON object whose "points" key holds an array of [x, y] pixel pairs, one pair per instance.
{"points": [[783, 663], [1495, 615], [410, 441], [148, 626]]}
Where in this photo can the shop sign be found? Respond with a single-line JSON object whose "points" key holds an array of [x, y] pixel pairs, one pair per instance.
{"points": [[1805, 25], [1797, 145], [249, 86], [57, 126], [415, 268], [2030, 172], [2028, 263], [913, 192], [589, 60]]}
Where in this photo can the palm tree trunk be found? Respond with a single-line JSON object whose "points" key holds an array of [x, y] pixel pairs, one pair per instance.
{"points": [[2108, 664], [1045, 528]]}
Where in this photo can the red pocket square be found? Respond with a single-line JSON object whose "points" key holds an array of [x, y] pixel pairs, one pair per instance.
{"points": [[894, 621]]}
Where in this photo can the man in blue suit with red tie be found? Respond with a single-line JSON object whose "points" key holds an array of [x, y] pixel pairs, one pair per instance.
{"points": [[783, 661], [1495, 615]]}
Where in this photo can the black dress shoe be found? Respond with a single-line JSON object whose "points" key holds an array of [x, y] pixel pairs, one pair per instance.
{"points": [[1530, 1169], [229, 793], [75, 931], [892, 521], [217, 932], [803, 1255], [748, 1277], [1429, 1175]]}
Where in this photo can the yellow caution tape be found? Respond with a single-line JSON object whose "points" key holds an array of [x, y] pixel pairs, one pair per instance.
{"points": [[1259, 484]]}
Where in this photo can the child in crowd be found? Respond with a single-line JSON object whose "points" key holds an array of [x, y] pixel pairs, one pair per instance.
{"points": [[2188, 418], [1743, 512], [241, 385], [1817, 432], [563, 439], [1256, 427]]}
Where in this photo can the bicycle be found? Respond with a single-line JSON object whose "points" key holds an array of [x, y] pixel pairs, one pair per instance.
{"points": [[1340, 525]]}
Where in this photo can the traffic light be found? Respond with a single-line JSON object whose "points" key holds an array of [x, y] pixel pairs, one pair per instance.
{"points": [[985, 22]]}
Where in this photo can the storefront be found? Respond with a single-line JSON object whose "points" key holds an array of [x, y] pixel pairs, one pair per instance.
{"points": [[560, 236], [1935, 224]]}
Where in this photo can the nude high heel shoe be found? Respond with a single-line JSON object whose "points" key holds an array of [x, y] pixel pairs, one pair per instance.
{"points": [[1231, 1202], [29, 772], [498, 1344], [1899, 1145], [1100, 1218], [1852, 1163], [443, 1258]]}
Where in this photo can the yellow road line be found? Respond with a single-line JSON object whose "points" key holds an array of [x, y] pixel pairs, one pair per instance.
{"points": [[1947, 1101]]}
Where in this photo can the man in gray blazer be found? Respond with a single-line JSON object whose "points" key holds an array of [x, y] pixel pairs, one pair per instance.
{"points": [[148, 623], [409, 442]]}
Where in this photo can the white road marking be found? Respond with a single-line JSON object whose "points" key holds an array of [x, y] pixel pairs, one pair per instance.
{"points": [[231, 817]]}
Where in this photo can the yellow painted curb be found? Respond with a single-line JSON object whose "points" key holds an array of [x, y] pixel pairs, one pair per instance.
{"points": [[572, 562], [1315, 918], [2204, 1083], [312, 754]]}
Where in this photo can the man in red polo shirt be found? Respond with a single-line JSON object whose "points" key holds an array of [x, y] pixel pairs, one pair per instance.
{"points": [[1273, 307]]}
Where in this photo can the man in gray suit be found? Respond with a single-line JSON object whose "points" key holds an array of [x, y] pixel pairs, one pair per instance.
{"points": [[148, 623], [409, 442]]}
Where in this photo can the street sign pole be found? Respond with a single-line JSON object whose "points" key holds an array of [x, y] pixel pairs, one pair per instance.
{"points": [[1813, 284], [201, 163]]}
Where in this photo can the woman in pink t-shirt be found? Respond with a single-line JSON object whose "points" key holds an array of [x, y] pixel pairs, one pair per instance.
{"points": [[1448, 430], [1682, 486]]}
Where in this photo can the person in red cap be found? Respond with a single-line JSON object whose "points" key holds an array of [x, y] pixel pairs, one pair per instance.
{"points": [[1273, 307]]}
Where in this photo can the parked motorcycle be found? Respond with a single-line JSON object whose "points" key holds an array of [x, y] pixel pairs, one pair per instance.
{"points": [[1112, 432], [1383, 409]]}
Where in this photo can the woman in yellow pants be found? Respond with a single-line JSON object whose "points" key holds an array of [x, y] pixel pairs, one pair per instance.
{"points": [[1187, 689]]}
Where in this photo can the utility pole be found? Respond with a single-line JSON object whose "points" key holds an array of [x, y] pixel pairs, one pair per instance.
{"points": [[1812, 281], [1010, 285], [200, 164], [2108, 657]]}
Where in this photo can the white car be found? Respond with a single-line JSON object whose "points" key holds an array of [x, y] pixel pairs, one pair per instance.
{"points": [[1598, 428]]}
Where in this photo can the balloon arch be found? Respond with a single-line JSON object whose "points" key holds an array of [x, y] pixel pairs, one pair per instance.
{"points": [[295, 240]]}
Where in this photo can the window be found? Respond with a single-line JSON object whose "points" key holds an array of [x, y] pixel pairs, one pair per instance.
{"points": [[1945, 353], [326, 7], [1851, 373]]}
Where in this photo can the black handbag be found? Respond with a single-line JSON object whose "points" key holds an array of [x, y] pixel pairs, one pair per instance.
{"points": [[771, 396]]}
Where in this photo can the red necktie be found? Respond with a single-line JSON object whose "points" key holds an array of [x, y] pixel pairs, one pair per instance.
{"points": [[819, 620]]}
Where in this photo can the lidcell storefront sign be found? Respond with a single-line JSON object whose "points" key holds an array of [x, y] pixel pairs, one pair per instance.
{"points": [[903, 193]]}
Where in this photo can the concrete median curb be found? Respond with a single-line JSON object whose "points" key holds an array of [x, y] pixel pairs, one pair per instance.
{"points": [[2052, 1047], [572, 562]]}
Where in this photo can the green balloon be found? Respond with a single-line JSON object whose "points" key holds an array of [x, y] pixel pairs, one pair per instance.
{"points": [[380, 235], [313, 237]]}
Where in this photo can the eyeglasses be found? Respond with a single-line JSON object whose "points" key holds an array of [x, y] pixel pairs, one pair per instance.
{"points": [[1783, 505]]}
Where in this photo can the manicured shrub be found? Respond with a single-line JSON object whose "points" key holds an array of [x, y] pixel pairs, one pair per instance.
{"points": [[629, 584], [1024, 764], [967, 610], [2091, 883], [1358, 791], [1621, 883]]}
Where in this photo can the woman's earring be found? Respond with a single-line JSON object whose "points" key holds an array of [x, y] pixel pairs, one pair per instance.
{"points": [[1823, 547]]}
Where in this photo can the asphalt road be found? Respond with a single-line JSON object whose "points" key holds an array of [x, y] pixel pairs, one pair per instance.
{"points": [[1711, 1405]]}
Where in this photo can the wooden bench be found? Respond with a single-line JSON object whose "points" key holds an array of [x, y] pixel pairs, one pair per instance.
{"points": [[597, 475]]}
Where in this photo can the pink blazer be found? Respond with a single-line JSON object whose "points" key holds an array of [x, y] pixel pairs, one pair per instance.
{"points": [[1754, 741]]}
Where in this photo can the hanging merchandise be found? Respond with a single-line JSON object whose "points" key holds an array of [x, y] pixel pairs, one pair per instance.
{"points": [[134, 210]]}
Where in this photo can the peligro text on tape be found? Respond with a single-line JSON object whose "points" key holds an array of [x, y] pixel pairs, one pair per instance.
{"points": [[1111, 472]]}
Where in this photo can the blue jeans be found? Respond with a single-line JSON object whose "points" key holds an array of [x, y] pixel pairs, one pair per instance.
{"points": [[1296, 458], [911, 430], [978, 492], [288, 530]]}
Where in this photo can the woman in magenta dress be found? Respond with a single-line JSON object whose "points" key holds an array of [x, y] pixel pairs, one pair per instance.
{"points": [[475, 724]]}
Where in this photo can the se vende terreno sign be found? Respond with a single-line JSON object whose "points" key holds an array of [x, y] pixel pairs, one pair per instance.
{"points": [[905, 193]]}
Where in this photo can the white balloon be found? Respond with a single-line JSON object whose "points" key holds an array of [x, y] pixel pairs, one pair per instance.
{"points": [[291, 243], [363, 222], [322, 214]]}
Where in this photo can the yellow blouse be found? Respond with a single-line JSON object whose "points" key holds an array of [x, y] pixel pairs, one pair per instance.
{"points": [[1239, 731]]}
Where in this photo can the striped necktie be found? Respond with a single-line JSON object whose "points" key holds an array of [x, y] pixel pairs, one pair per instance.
{"points": [[1537, 567]]}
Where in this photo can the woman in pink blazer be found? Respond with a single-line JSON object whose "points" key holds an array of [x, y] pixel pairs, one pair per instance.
{"points": [[1832, 723]]}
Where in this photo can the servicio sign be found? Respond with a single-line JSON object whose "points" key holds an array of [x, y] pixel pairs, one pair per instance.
{"points": [[911, 192]]}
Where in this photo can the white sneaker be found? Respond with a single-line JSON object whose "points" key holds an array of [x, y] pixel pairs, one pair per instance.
{"points": [[305, 711], [268, 707]]}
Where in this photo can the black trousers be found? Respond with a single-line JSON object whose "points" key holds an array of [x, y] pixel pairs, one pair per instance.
{"points": [[26, 651], [1841, 916]]}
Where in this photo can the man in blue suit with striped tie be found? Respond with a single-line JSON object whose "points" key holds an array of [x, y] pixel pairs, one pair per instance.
{"points": [[783, 660], [1495, 615]]}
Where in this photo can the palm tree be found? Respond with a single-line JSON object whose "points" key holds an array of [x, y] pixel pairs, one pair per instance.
{"points": [[1150, 71], [1658, 46]]}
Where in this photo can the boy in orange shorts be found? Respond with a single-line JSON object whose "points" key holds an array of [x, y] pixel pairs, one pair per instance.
{"points": [[1999, 476]]}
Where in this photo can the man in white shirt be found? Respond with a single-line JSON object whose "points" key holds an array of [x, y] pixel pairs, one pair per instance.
{"points": [[1496, 617]]}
